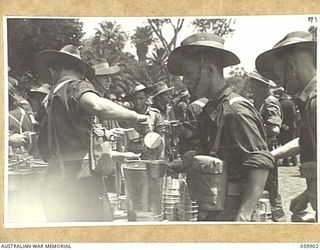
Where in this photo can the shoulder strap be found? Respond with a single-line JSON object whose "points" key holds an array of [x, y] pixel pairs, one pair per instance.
{"points": [[54, 90], [20, 122], [216, 144]]}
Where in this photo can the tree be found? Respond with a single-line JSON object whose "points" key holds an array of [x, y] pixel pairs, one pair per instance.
{"points": [[238, 80], [109, 41], [313, 27], [142, 39], [219, 27], [27, 37], [158, 69]]}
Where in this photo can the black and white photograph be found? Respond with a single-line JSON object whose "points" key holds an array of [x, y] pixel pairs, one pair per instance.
{"points": [[162, 120]]}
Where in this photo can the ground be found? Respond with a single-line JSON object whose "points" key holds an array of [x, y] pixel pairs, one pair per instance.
{"points": [[290, 185]]}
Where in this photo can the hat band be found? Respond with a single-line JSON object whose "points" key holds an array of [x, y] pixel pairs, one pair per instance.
{"points": [[101, 66], [207, 44], [74, 55]]}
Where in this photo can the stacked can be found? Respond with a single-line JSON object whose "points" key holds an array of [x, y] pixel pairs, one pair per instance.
{"points": [[188, 208], [171, 199]]}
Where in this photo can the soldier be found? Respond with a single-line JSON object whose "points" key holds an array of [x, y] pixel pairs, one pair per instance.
{"points": [[18, 121], [289, 125], [161, 100], [271, 113], [139, 96], [200, 60], [292, 64], [72, 190]]}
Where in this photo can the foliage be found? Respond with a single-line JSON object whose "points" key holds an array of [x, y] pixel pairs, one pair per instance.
{"points": [[158, 70], [219, 27], [142, 39], [313, 27], [108, 41], [238, 80], [27, 37]]}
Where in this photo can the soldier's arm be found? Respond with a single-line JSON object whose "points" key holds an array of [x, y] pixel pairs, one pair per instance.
{"points": [[289, 149], [256, 160], [252, 192], [106, 109], [273, 118]]}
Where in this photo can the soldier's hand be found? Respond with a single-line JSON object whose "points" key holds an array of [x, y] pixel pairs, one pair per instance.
{"points": [[117, 133], [188, 157], [299, 203], [121, 156], [143, 122], [17, 140], [285, 127]]}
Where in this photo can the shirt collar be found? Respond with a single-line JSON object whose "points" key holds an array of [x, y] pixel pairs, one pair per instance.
{"points": [[304, 96], [220, 97]]}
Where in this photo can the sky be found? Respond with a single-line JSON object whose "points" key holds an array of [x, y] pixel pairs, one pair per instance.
{"points": [[252, 36]]}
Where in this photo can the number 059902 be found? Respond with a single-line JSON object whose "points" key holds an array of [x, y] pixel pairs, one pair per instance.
{"points": [[309, 245]]}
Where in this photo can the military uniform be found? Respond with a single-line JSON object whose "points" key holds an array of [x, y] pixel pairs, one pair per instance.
{"points": [[271, 113], [242, 146], [71, 191], [308, 139], [190, 135], [289, 124]]}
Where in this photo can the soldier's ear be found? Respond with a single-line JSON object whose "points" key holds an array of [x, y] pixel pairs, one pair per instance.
{"points": [[291, 66], [212, 70]]}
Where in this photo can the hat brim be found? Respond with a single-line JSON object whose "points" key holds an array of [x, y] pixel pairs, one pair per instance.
{"points": [[47, 56], [265, 61], [269, 84], [130, 95], [162, 91], [108, 71], [176, 58]]}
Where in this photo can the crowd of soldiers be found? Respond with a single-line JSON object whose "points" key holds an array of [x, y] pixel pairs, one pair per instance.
{"points": [[203, 125]]}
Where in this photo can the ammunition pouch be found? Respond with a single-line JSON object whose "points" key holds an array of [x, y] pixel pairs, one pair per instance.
{"points": [[208, 182]]}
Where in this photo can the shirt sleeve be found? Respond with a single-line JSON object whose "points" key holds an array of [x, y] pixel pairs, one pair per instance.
{"points": [[159, 124], [312, 119], [248, 140], [272, 114], [77, 89]]}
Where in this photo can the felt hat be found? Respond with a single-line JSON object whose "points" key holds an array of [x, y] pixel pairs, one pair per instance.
{"points": [[43, 89], [255, 75], [12, 83], [69, 54], [205, 41], [102, 67], [138, 88], [296, 39], [159, 88]]}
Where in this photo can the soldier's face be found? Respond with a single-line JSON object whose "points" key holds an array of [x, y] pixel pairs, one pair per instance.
{"points": [[139, 100], [105, 81], [194, 79], [259, 91]]}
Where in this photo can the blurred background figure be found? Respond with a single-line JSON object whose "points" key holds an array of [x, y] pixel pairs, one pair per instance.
{"points": [[20, 124], [289, 125], [162, 100], [139, 96]]}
